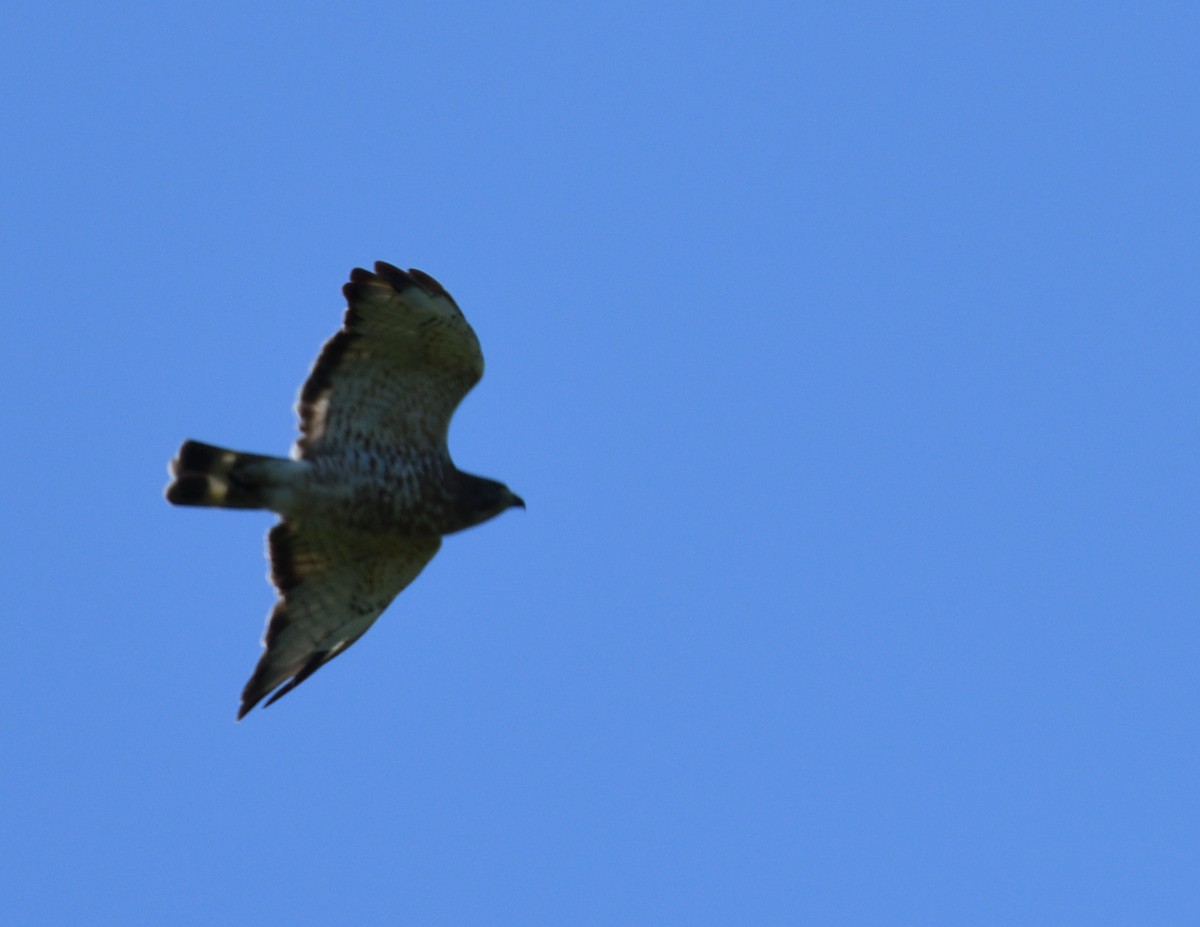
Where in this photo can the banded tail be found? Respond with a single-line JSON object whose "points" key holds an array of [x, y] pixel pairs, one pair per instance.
{"points": [[214, 476]]}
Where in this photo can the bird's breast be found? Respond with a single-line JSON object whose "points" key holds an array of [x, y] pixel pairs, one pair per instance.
{"points": [[365, 493]]}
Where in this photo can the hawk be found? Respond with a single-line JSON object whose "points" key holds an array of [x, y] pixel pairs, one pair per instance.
{"points": [[369, 489]]}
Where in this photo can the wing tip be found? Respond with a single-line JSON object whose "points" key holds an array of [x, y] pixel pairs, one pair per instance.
{"points": [[266, 678], [429, 284], [256, 688], [393, 277]]}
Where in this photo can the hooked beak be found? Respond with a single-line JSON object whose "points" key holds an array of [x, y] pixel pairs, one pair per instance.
{"points": [[517, 501]]}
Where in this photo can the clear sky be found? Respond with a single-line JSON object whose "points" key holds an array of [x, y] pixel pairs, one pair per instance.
{"points": [[846, 355]]}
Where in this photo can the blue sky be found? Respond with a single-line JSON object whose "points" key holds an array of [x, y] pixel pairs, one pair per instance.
{"points": [[845, 354]]}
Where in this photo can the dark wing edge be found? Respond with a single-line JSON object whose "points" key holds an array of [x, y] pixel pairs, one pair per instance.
{"points": [[364, 286], [326, 603], [320, 380]]}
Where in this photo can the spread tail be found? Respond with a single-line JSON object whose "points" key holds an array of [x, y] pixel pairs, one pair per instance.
{"points": [[214, 476]]}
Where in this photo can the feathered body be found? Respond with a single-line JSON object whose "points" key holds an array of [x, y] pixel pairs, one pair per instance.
{"points": [[370, 489]]}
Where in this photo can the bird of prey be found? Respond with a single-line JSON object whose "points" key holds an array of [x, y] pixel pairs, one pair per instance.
{"points": [[369, 489]]}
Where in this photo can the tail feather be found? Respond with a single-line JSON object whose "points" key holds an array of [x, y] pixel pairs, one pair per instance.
{"points": [[214, 476]]}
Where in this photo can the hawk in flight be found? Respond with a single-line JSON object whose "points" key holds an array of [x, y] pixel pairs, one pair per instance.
{"points": [[370, 488]]}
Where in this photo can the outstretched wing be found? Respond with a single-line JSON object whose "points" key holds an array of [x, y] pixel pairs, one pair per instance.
{"points": [[332, 587], [395, 373]]}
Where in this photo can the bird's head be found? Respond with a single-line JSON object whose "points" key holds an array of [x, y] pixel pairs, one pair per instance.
{"points": [[482, 499]]}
